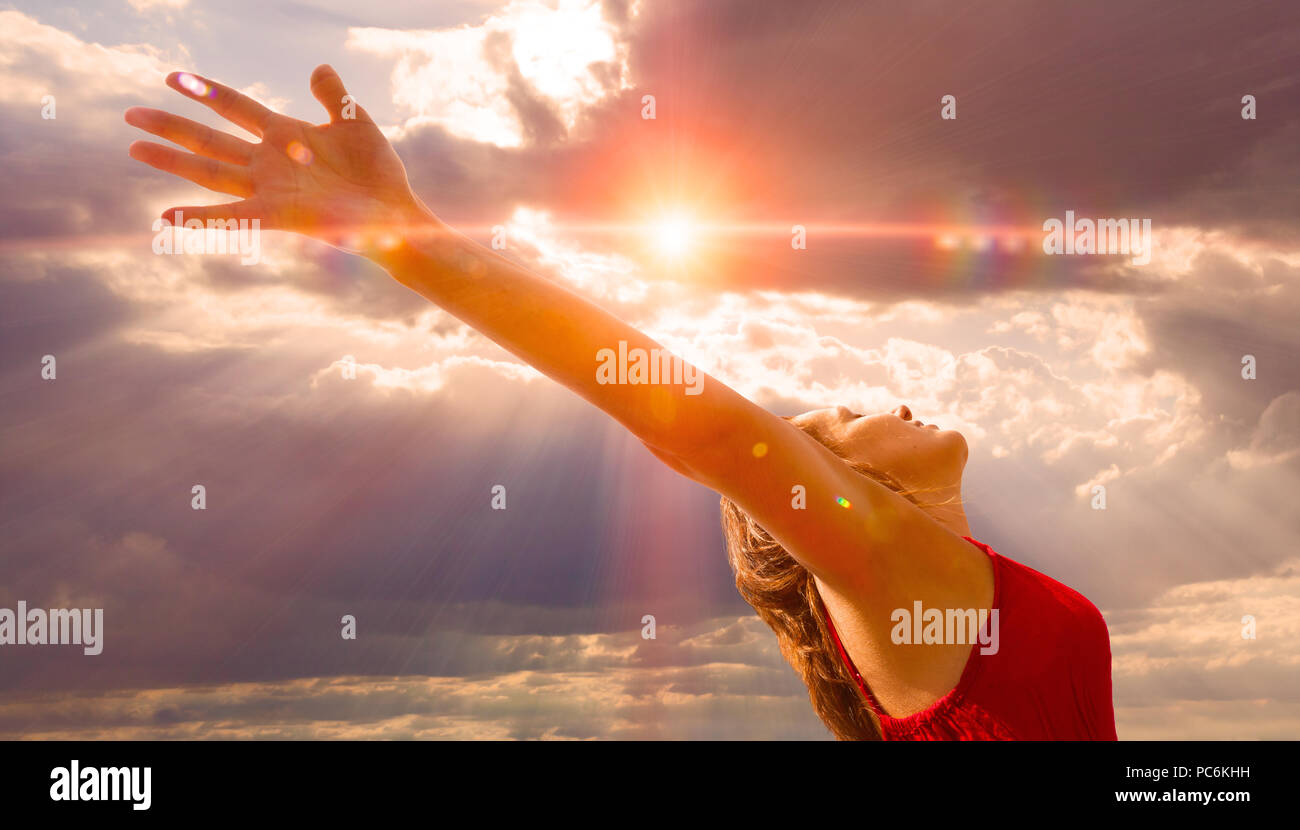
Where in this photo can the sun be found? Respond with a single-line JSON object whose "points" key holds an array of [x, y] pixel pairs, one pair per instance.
{"points": [[672, 235]]}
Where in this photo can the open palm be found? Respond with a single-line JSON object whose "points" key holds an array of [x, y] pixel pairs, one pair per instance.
{"points": [[340, 182]]}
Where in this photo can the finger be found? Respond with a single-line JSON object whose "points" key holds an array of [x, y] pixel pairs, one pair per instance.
{"points": [[226, 102], [191, 135], [212, 174], [327, 86], [248, 209]]}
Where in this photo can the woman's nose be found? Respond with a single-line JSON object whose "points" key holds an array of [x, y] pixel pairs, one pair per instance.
{"points": [[903, 412]]}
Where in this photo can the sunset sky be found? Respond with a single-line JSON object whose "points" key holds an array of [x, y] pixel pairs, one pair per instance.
{"points": [[924, 282]]}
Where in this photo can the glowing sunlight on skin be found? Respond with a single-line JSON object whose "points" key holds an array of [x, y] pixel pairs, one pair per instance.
{"points": [[195, 87]]}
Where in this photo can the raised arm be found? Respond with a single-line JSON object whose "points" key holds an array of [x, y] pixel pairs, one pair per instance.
{"points": [[717, 437], [343, 183]]}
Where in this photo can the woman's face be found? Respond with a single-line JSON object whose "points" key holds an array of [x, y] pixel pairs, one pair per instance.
{"points": [[919, 455]]}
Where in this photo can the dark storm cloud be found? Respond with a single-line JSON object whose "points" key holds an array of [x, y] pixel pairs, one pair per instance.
{"points": [[1108, 109]]}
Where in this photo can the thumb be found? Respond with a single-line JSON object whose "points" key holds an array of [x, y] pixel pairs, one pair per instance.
{"points": [[327, 86]]}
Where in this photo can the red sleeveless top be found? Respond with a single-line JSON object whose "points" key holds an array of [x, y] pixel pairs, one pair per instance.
{"points": [[1048, 680]]}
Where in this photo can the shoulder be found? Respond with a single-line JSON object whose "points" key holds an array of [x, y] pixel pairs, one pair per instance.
{"points": [[1052, 606]]}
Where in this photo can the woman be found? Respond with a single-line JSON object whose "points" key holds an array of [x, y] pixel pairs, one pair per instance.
{"points": [[846, 531]]}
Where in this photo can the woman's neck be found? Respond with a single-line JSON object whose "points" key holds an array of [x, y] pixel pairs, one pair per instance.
{"points": [[945, 507]]}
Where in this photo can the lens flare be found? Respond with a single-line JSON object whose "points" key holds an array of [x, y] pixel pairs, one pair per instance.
{"points": [[194, 86], [842, 502], [298, 152]]}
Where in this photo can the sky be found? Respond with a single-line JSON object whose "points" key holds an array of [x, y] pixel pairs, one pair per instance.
{"points": [[923, 282]]}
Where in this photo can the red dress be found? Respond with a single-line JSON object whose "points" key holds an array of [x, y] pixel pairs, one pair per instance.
{"points": [[1048, 680]]}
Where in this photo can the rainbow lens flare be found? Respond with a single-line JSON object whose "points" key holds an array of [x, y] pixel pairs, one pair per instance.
{"points": [[194, 86], [842, 502]]}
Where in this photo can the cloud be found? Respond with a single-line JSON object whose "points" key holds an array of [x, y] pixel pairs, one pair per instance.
{"points": [[528, 72], [1186, 649], [40, 59], [85, 192], [146, 6], [720, 679], [1276, 439]]}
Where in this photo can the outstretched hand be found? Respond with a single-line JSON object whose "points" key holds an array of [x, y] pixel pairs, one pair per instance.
{"points": [[340, 182]]}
